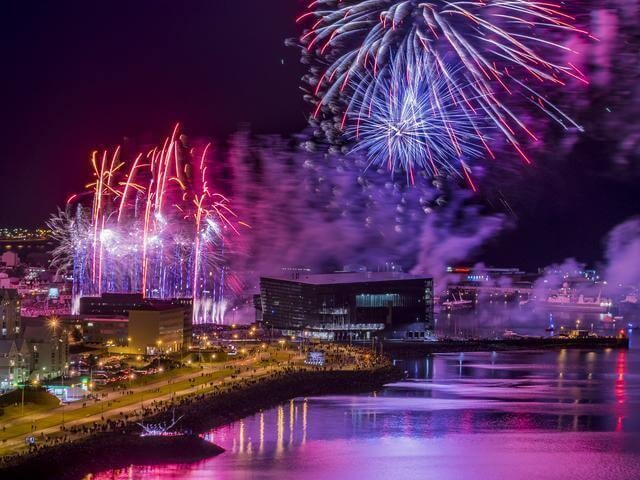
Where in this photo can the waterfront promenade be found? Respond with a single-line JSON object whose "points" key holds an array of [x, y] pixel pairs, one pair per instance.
{"points": [[119, 410]]}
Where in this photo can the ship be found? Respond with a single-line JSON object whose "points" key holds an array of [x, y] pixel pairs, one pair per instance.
{"points": [[457, 303], [565, 300], [630, 305]]}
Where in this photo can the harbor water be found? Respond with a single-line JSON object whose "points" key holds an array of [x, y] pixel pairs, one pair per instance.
{"points": [[483, 415]]}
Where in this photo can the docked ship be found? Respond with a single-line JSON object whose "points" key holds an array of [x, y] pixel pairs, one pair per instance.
{"points": [[630, 305], [564, 300], [457, 304]]}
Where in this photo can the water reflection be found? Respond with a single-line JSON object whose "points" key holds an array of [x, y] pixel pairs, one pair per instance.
{"points": [[517, 415]]}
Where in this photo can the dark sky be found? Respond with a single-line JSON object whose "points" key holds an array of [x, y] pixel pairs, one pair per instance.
{"points": [[79, 75]]}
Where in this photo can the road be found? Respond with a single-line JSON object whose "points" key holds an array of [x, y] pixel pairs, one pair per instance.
{"points": [[13, 437]]}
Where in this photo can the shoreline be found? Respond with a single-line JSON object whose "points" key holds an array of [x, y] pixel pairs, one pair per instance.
{"points": [[418, 349], [108, 450], [105, 450], [202, 412], [205, 412]]}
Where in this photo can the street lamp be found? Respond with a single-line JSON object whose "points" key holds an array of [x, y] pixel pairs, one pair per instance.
{"points": [[22, 406], [54, 323]]}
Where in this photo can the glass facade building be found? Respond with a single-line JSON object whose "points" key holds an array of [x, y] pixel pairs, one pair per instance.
{"points": [[344, 306]]}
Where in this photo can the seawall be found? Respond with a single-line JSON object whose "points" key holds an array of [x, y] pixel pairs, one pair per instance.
{"points": [[201, 412]]}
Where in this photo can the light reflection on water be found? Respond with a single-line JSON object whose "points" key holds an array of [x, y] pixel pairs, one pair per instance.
{"points": [[512, 415]]}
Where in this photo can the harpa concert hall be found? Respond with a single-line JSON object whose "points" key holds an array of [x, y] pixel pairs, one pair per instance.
{"points": [[348, 306]]}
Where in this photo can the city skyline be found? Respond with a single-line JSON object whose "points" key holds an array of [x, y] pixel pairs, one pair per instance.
{"points": [[320, 239]]}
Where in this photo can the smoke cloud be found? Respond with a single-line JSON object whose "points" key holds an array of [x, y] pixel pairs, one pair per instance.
{"points": [[622, 254], [323, 212]]}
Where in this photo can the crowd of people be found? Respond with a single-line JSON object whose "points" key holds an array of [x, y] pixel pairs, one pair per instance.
{"points": [[248, 389]]}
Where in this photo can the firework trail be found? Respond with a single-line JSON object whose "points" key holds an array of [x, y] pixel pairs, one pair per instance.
{"points": [[154, 226], [312, 210], [493, 56], [410, 120]]}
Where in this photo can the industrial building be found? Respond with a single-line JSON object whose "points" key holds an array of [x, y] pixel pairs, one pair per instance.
{"points": [[348, 306]]}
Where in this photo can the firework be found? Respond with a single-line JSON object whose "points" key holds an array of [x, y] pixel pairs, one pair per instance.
{"points": [[410, 120], [488, 53], [154, 226], [331, 212]]}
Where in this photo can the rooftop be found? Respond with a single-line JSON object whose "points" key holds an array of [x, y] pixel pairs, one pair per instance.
{"points": [[351, 277], [9, 293]]}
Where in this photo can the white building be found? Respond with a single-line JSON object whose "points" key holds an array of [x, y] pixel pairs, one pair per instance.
{"points": [[14, 363], [49, 352]]}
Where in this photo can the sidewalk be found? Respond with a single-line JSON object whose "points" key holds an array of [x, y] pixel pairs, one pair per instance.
{"points": [[144, 396]]}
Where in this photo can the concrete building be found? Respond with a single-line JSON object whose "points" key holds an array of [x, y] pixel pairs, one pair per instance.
{"points": [[101, 329], [112, 304], [8, 282], [10, 259], [159, 330], [9, 312], [348, 306], [14, 363], [137, 324], [49, 351], [119, 305]]}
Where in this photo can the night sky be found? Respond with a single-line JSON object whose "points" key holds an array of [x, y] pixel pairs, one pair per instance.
{"points": [[84, 75]]}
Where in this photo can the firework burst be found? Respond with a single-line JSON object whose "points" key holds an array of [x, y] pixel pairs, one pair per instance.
{"points": [[409, 120], [154, 226], [489, 54]]}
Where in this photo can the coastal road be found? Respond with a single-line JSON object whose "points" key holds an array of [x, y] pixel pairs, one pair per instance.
{"points": [[134, 398]]}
